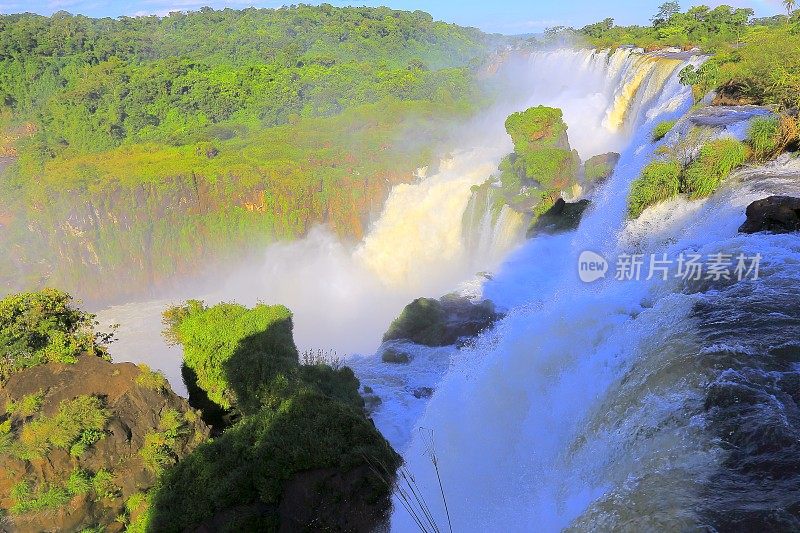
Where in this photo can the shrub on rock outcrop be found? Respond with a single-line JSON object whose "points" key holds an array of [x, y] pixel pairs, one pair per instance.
{"points": [[294, 448], [44, 326], [238, 357], [660, 180], [662, 128], [311, 464]]}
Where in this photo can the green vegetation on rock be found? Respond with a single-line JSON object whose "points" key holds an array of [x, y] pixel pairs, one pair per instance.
{"points": [[599, 167], [292, 427], [41, 327], [664, 179], [771, 135], [662, 128], [245, 471], [531, 178], [717, 159], [541, 150], [151, 379], [78, 424], [241, 357], [660, 180], [161, 444], [81, 434]]}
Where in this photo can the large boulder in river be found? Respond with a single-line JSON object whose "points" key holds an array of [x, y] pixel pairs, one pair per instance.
{"points": [[776, 214], [442, 322], [563, 216], [80, 441]]}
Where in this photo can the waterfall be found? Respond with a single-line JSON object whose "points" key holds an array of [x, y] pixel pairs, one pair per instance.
{"points": [[521, 423], [604, 96]]}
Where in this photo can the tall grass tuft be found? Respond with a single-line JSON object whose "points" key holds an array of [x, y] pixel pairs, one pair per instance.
{"points": [[660, 181], [716, 161]]}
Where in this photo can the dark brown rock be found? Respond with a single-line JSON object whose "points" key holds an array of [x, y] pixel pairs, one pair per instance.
{"points": [[776, 214], [135, 410], [563, 216]]}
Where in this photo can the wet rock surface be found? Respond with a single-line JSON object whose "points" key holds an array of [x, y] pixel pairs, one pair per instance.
{"points": [[775, 214], [563, 216], [442, 322]]}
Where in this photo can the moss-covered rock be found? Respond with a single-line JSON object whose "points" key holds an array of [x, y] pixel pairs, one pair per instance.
{"points": [[542, 154], [441, 322], [599, 168], [542, 165], [96, 435], [394, 356]]}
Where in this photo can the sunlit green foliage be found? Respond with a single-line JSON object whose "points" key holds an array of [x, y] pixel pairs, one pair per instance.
{"points": [[541, 152], [53, 496], [241, 357], [79, 423], [160, 446], [151, 78], [769, 136], [763, 136], [292, 418], [661, 129], [41, 327], [717, 159], [151, 379], [709, 28], [48, 497], [665, 179], [29, 405], [660, 180]]}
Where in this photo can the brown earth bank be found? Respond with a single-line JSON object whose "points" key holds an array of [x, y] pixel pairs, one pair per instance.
{"points": [[135, 408]]}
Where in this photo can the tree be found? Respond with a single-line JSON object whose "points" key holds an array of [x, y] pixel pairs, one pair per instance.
{"points": [[665, 12], [789, 4]]}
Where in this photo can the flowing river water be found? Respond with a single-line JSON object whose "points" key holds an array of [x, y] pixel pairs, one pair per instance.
{"points": [[638, 405]]}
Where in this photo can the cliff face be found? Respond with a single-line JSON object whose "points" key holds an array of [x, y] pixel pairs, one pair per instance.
{"points": [[80, 441], [152, 233]]}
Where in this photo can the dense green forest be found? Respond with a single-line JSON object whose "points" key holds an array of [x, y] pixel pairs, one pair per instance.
{"points": [[753, 60], [143, 145]]}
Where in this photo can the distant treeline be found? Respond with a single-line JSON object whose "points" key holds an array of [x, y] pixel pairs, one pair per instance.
{"points": [[147, 144]]}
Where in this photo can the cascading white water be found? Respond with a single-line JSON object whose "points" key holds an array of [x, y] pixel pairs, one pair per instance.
{"points": [[418, 246], [509, 421]]}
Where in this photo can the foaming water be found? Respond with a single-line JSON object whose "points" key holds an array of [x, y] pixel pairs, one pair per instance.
{"points": [[510, 419], [343, 297]]}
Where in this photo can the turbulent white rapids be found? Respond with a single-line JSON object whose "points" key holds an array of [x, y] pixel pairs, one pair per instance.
{"points": [[588, 406], [625, 406]]}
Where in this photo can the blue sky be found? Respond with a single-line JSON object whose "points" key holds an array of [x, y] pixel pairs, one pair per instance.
{"points": [[504, 16]]}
